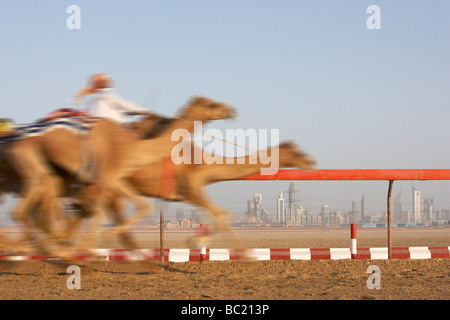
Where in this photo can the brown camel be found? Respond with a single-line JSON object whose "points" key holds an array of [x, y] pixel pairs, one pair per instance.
{"points": [[117, 153], [187, 182], [44, 212]]}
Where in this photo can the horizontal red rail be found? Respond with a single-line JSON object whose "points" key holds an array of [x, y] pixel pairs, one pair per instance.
{"points": [[355, 174]]}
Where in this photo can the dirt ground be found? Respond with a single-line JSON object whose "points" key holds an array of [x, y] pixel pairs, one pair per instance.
{"points": [[427, 279]]}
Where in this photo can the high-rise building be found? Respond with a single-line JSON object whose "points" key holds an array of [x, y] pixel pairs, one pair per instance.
{"points": [[280, 209], [355, 212], [416, 206], [250, 210], [254, 212], [265, 216], [364, 208], [428, 210], [334, 219], [324, 213], [316, 220], [445, 214], [308, 214], [291, 204], [257, 200], [298, 212], [398, 212]]}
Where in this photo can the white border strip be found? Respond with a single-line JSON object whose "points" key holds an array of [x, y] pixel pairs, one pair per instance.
{"points": [[179, 255], [300, 254], [419, 253]]}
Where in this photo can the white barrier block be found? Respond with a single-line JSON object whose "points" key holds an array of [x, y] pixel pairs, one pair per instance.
{"points": [[18, 258], [179, 255], [340, 253], [379, 253], [259, 254], [419, 253], [300, 254], [219, 254]]}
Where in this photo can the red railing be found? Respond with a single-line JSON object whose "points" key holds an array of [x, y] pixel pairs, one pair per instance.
{"points": [[356, 174]]}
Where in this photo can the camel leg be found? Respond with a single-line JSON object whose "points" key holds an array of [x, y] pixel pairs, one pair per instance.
{"points": [[34, 189], [35, 177], [49, 218], [221, 216], [93, 203], [98, 207], [116, 209], [142, 206], [89, 206]]}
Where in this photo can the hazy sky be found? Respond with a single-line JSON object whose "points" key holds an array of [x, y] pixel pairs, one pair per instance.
{"points": [[352, 97]]}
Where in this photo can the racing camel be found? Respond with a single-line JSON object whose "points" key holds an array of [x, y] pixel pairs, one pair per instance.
{"points": [[187, 182], [117, 153]]}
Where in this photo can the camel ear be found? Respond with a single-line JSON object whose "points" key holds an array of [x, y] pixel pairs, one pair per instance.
{"points": [[287, 144], [196, 99], [291, 145]]}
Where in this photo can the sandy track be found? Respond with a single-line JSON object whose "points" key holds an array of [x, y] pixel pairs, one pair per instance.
{"points": [[230, 280], [272, 280]]}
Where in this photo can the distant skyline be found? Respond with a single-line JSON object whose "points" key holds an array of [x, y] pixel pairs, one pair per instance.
{"points": [[352, 97], [270, 203]]}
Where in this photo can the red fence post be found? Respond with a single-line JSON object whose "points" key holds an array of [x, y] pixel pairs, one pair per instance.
{"points": [[353, 247]]}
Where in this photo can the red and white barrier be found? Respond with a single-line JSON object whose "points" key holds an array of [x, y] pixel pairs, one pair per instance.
{"points": [[353, 247], [195, 255]]}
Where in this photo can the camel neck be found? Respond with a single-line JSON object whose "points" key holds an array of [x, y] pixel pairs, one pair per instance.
{"points": [[152, 150]]}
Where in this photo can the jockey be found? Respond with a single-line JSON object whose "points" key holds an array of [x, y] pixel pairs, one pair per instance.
{"points": [[6, 127], [104, 102]]}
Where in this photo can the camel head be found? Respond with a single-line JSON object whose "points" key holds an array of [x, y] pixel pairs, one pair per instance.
{"points": [[204, 109], [292, 156]]}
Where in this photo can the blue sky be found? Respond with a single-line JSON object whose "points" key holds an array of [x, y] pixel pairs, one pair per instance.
{"points": [[351, 97]]}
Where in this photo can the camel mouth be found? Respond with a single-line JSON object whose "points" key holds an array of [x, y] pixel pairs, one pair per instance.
{"points": [[232, 113], [311, 164], [308, 162]]}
